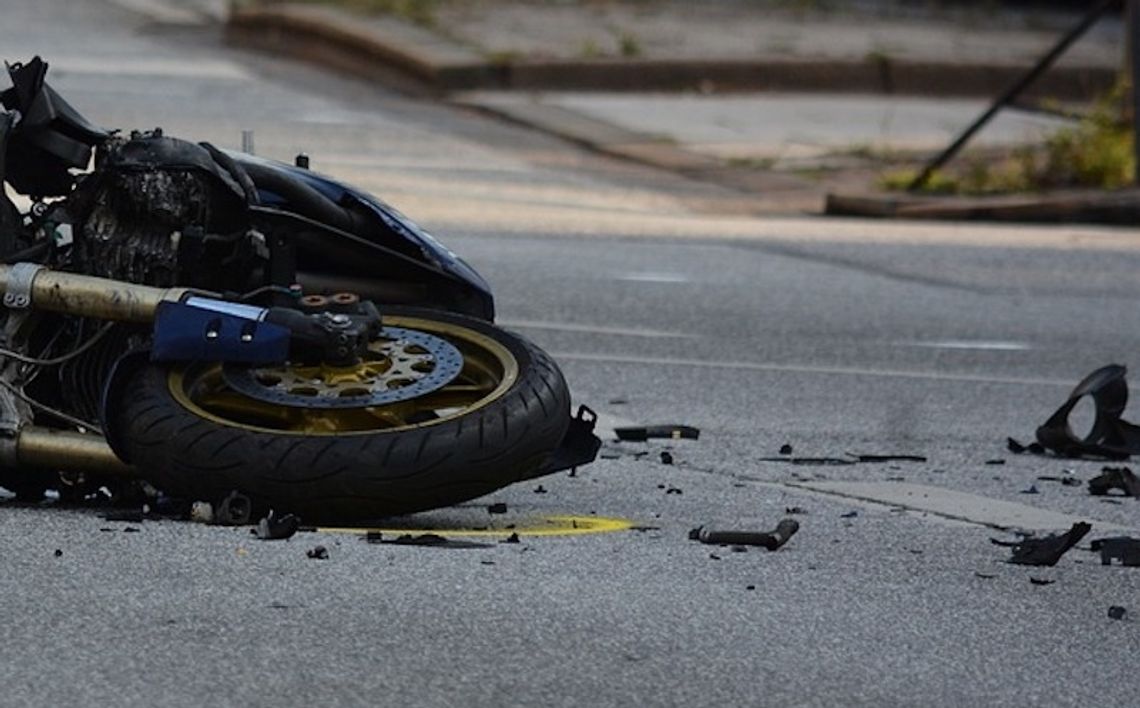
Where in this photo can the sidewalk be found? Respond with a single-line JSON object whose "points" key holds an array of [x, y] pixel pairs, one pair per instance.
{"points": [[789, 107]]}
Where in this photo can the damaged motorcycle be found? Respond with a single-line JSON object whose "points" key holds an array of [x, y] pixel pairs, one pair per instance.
{"points": [[212, 322]]}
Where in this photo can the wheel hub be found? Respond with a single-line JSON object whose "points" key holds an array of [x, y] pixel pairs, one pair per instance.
{"points": [[400, 364]]}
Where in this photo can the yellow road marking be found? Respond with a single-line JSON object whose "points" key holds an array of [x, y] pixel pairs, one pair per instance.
{"points": [[543, 526]]}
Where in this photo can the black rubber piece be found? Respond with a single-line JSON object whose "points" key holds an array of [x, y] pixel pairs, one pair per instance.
{"points": [[358, 476]]}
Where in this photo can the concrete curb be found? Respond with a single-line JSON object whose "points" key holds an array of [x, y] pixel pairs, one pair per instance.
{"points": [[379, 46], [1117, 208]]}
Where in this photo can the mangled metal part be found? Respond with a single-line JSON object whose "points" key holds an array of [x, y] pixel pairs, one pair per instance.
{"points": [[772, 540], [1110, 436], [1121, 548], [1048, 550], [642, 433], [1111, 478]]}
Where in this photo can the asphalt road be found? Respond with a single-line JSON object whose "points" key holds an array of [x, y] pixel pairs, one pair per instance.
{"points": [[834, 337]]}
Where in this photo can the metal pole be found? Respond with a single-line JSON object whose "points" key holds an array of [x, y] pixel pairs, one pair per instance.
{"points": [[1014, 91]]}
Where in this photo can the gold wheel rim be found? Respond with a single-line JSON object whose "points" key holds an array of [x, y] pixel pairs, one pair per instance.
{"points": [[489, 371]]}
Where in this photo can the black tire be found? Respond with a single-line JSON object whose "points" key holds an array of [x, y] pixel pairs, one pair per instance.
{"points": [[188, 451]]}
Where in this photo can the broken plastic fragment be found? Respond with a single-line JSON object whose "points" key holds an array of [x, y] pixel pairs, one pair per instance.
{"points": [[1117, 612], [1122, 548], [1110, 478], [1048, 550], [641, 433], [318, 553], [277, 528], [1110, 436]]}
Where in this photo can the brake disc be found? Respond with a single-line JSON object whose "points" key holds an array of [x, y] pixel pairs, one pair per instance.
{"points": [[401, 364]]}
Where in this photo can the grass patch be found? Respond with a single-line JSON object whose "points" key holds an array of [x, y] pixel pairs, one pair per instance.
{"points": [[420, 12], [1095, 153]]}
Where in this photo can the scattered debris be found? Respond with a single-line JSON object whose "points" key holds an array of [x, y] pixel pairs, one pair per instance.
{"points": [[714, 556], [618, 401], [1031, 490], [513, 538], [58, 553], [130, 516], [318, 553], [235, 510], [1048, 550], [849, 515], [277, 528], [1117, 612], [540, 489], [1122, 548], [750, 587], [202, 512], [984, 576], [674, 490], [996, 461], [772, 540], [1041, 581], [786, 449], [373, 537], [666, 457], [131, 529], [1121, 478], [851, 459], [1110, 436], [433, 540], [794, 510], [1033, 448], [642, 433], [1066, 481], [497, 508]]}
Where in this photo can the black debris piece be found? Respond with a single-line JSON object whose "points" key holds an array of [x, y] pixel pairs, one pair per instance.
{"points": [[130, 516], [373, 537], [750, 587], [772, 540], [891, 458], [786, 449], [714, 556], [1066, 481], [996, 461], [738, 549], [1014, 446], [235, 510], [58, 553], [618, 401], [1110, 437], [672, 432], [1031, 490], [1117, 612], [318, 553], [540, 489], [1048, 550], [131, 529], [1041, 581], [674, 490], [497, 508], [435, 541], [277, 528], [984, 576], [794, 510], [666, 457], [1121, 478], [644, 529], [1120, 548], [849, 515], [513, 538]]}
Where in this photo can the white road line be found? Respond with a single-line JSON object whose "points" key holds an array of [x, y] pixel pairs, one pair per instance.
{"points": [[800, 369], [595, 329], [980, 345], [953, 505], [653, 277]]}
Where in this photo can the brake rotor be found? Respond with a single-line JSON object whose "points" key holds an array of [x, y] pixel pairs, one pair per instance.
{"points": [[401, 364]]}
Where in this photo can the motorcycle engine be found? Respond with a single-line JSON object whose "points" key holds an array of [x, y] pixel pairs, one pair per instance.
{"points": [[160, 211]]}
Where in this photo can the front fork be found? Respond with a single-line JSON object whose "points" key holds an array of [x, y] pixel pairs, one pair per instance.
{"points": [[29, 286]]}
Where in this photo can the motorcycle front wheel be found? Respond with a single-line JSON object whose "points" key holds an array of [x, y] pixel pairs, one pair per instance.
{"points": [[191, 432]]}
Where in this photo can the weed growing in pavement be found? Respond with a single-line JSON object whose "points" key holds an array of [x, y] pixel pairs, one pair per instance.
{"points": [[1096, 153]]}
